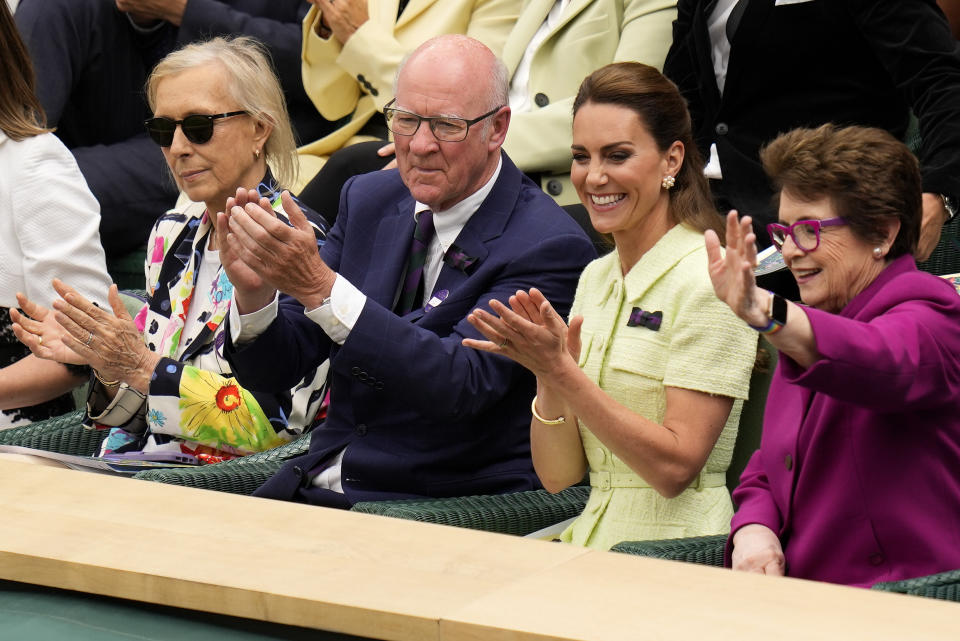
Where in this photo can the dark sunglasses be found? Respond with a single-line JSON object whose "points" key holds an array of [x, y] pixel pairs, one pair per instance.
{"points": [[198, 128]]}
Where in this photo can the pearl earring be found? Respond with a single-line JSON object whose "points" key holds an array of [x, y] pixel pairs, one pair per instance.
{"points": [[878, 252], [668, 182]]}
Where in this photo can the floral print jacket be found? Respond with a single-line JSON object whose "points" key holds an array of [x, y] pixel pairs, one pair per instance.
{"points": [[194, 404]]}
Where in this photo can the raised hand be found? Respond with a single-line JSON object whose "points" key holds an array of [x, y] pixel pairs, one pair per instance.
{"points": [[732, 272], [38, 329], [529, 332], [251, 292], [283, 256], [343, 17], [109, 342]]}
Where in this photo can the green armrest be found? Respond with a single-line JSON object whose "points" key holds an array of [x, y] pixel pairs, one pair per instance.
{"points": [[237, 476], [518, 513], [63, 434], [704, 550], [945, 585]]}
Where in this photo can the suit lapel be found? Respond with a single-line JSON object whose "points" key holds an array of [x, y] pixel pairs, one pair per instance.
{"points": [[485, 225], [530, 20], [414, 8], [754, 17], [391, 244], [576, 6]]}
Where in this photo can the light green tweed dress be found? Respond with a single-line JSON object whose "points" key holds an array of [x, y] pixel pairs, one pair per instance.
{"points": [[700, 346]]}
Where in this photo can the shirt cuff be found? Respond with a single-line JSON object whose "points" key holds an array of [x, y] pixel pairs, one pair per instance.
{"points": [[339, 313], [245, 328]]}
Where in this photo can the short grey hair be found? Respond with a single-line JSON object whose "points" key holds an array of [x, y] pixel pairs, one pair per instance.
{"points": [[251, 81]]}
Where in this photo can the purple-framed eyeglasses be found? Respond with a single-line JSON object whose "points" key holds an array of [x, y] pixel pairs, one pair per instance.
{"points": [[805, 233]]}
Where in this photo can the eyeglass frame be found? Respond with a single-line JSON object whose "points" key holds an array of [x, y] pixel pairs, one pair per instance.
{"points": [[210, 118], [431, 119], [813, 222]]}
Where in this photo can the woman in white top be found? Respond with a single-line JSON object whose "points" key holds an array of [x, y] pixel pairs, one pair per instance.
{"points": [[49, 227]]}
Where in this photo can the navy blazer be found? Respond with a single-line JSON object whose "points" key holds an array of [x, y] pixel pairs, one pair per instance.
{"points": [[420, 414], [803, 64]]}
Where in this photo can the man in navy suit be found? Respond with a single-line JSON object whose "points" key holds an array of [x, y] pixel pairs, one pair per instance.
{"points": [[412, 412]]}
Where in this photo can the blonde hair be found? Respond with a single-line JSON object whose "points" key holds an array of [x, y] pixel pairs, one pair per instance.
{"points": [[251, 81]]}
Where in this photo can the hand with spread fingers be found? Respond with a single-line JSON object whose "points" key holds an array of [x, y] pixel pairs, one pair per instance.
{"points": [[283, 256], [732, 272], [37, 328], [529, 332], [109, 343]]}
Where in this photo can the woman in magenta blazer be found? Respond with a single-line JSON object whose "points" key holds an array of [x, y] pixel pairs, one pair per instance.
{"points": [[857, 478]]}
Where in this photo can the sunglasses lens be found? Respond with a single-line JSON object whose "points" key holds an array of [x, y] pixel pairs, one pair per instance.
{"points": [[161, 130], [198, 129]]}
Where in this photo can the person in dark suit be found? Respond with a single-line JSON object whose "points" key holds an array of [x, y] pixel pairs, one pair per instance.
{"points": [[412, 411], [92, 58], [751, 69]]}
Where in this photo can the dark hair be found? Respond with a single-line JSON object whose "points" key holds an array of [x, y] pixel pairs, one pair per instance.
{"points": [[21, 115], [870, 177], [663, 111]]}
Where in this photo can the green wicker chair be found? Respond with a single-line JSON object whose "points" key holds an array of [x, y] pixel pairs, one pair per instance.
{"points": [[945, 586], [517, 513], [703, 550], [237, 476], [63, 434]]}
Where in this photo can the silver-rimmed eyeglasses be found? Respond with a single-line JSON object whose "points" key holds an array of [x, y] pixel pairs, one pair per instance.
{"points": [[444, 128], [805, 233]]}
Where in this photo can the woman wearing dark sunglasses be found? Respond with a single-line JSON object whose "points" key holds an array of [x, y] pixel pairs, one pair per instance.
{"points": [[160, 379], [856, 477]]}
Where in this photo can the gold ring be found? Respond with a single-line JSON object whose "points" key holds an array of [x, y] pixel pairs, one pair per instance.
{"points": [[501, 345], [39, 340]]}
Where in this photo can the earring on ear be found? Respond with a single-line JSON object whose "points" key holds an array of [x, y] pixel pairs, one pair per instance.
{"points": [[668, 182], [256, 153], [878, 252]]}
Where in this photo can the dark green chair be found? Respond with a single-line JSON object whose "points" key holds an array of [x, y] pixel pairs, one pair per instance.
{"points": [[945, 586], [127, 270], [237, 476], [63, 434]]}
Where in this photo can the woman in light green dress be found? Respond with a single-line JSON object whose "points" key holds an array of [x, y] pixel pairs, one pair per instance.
{"points": [[643, 390]]}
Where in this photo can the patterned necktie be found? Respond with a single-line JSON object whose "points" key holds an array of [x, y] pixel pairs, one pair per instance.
{"points": [[412, 292]]}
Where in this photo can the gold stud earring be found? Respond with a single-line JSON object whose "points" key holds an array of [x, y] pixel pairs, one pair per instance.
{"points": [[668, 182], [256, 153]]}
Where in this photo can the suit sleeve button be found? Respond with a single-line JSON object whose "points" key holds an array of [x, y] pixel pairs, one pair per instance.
{"points": [[354, 371], [722, 129], [378, 386]]}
